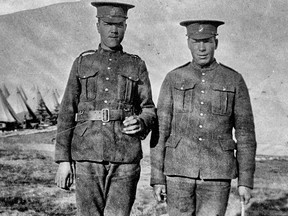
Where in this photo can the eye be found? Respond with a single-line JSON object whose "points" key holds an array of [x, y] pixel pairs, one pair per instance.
{"points": [[120, 25]]}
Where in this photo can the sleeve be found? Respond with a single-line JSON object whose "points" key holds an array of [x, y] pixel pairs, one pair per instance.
{"points": [[66, 117], [245, 135], [145, 102], [161, 133]]}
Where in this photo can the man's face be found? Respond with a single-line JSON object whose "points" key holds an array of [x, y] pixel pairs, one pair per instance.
{"points": [[202, 50], [111, 34]]}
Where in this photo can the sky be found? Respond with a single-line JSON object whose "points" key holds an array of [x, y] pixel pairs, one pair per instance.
{"points": [[12, 6]]}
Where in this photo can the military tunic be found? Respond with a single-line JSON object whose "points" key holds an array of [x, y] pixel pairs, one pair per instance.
{"points": [[197, 111], [99, 80]]}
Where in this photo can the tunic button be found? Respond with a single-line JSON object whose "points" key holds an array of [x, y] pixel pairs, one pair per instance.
{"points": [[224, 89], [203, 74], [103, 123], [203, 92], [105, 101], [201, 102], [107, 78], [106, 89], [201, 114], [200, 126], [108, 68], [110, 59], [200, 138], [181, 88], [203, 80]]}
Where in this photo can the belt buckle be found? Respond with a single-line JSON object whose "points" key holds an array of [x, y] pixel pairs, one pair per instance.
{"points": [[105, 115]]}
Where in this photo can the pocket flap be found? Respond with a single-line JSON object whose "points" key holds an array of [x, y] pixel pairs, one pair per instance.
{"points": [[132, 77], [184, 86], [86, 72], [80, 129], [172, 142], [225, 88], [227, 145]]}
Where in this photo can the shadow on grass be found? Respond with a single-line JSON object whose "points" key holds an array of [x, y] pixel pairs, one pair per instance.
{"points": [[269, 207]]}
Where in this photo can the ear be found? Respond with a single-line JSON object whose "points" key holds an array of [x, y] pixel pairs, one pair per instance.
{"points": [[189, 43], [97, 24], [216, 43]]}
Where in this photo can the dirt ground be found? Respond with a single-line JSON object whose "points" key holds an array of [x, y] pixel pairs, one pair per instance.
{"points": [[27, 182]]}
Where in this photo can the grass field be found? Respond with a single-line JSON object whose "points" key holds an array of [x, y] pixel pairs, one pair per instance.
{"points": [[27, 183]]}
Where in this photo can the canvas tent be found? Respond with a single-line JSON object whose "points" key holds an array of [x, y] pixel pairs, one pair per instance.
{"points": [[8, 118]]}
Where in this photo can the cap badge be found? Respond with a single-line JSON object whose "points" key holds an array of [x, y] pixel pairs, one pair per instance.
{"points": [[113, 12], [201, 28]]}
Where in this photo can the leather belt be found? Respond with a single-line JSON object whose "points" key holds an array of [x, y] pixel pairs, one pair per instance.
{"points": [[104, 115]]}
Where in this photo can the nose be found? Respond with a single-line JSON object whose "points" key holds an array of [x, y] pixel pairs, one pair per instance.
{"points": [[114, 29], [202, 46]]}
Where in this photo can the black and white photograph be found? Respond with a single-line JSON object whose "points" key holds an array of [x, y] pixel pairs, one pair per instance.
{"points": [[143, 108]]}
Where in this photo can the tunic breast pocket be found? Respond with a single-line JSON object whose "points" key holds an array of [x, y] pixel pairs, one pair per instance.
{"points": [[183, 97], [88, 81], [223, 99], [126, 88]]}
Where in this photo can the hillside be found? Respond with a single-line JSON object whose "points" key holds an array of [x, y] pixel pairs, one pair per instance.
{"points": [[38, 47]]}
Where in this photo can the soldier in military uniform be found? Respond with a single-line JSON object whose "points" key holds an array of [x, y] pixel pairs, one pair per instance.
{"points": [[106, 110], [194, 156]]}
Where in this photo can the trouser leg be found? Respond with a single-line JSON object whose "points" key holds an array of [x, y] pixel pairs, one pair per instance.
{"points": [[194, 197], [90, 186], [121, 189], [212, 197], [181, 199], [106, 188]]}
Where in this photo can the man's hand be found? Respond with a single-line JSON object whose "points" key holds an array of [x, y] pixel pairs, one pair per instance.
{"points": [[159, 192], [132, 125], [245, 194], [64, 177]]}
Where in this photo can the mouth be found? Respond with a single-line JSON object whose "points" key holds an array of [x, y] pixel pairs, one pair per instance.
{"points": [[113, 37], [202, 56]]}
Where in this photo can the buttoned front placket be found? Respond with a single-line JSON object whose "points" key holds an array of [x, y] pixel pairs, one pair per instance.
{"points": [[108, 81], [202, 111], [107, 85], [202, 100]]}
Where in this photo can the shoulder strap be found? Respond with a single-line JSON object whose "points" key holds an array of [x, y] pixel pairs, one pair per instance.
{"points": [[80, 58]]}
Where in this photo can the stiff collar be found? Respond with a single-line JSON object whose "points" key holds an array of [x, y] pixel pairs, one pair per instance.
{"points": [[119, 49], [209, 67]]}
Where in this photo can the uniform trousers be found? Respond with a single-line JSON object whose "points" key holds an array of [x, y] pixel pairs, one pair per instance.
{"points": [[105, 189], [196, 197]]}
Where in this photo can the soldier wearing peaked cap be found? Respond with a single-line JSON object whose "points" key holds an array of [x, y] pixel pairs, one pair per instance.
{"points": [[193, 153], [106, 110]]}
